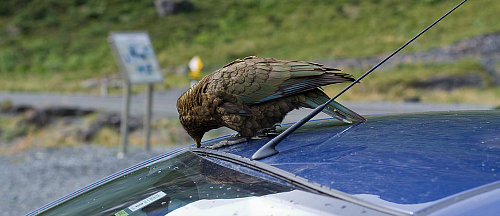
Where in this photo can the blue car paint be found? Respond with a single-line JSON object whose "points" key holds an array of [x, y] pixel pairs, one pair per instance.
{"points": [[404, 159]]}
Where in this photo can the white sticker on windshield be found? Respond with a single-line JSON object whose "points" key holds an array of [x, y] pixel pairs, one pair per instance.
{"points": [[145, 202]]}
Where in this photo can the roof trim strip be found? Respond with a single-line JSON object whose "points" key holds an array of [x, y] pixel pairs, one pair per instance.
{"points": [[450, 200], [294, 180]]}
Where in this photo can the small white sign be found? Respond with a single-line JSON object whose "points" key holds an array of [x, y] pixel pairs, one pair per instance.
{"points": [[136, 57], [145, 202]]}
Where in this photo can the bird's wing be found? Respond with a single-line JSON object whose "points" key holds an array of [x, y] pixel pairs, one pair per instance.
{"points": [[256, 80]]}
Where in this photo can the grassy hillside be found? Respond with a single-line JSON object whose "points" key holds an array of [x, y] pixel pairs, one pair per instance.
{"points": [[51, 45]]}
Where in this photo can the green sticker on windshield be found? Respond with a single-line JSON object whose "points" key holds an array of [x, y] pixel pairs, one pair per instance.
{"points": [[121, 213]]}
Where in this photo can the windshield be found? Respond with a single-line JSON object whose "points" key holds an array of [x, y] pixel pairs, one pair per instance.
{"points": [[166, 185]]}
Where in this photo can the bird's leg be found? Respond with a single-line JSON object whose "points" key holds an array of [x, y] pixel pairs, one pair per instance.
{"points": [[238, 138], [268, 131], [232, 140], [236, 135]]}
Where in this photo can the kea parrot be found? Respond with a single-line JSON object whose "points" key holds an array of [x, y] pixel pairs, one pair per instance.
{"points": [[252, 94]]}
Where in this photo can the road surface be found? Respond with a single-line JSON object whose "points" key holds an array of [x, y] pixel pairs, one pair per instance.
{"points": [[164, 104]]}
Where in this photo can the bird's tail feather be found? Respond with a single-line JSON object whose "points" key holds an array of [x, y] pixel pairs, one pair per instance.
{"points": [[333, 109], [342, 113]]}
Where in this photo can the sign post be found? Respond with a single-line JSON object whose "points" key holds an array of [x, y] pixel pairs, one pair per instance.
{"points": [[124, 120], [147, 116], [135, 55]]}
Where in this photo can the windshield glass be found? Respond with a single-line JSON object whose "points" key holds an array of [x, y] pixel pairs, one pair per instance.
{"points": [[166, 185]]}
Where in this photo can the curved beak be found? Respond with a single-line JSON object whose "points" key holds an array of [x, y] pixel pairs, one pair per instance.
{"points": [[197, 140]]}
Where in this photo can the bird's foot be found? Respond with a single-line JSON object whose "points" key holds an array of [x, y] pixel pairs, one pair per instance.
{"points": [[233, 140], [236, 135], [268, 131]]}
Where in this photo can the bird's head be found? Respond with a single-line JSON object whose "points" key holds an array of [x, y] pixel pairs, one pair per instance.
{"points": [[197, 111], [192, 127], [191, 122]]}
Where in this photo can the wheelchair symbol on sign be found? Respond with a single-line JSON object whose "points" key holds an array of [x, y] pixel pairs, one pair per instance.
{"points": [[137, 52]]}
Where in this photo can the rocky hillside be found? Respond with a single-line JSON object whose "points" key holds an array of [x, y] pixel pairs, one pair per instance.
{"points": [[486, 48]]}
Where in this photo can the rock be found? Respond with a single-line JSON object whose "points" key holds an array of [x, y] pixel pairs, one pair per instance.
{"points": [[37, 117], [486, 47], [67, 111], [16, 109], [5, 106], [13, 30], [87, 135], [166, 7], [110, 120], [135, 123], [414, 99], [116, 83], [449, 83], [42, 116], [68, 120], [90, 83], [489, 64]]}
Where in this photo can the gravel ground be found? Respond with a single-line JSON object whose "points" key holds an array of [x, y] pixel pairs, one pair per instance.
{"points": [[33, 178]]}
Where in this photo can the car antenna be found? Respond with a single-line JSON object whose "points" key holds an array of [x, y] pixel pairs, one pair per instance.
{"points": [[269, 148]]}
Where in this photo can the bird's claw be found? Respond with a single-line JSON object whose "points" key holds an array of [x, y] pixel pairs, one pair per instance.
{"points": [[268, 131], [236, 135]]}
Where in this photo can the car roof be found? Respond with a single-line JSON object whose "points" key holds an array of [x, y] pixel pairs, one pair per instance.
{"points": [[407, 161], [438, 163]]}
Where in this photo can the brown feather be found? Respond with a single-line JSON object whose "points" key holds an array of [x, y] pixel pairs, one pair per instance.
{"points": [[251, 94]]}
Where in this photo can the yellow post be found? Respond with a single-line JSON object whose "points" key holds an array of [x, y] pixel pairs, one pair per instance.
{"points": [[195, 66]]}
